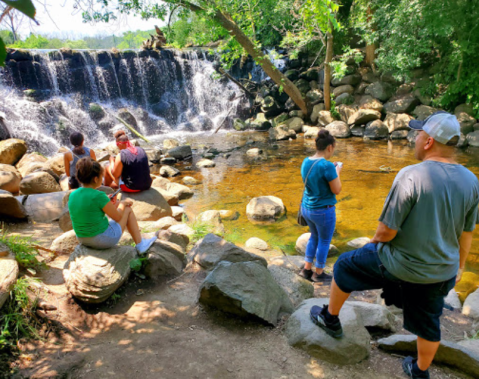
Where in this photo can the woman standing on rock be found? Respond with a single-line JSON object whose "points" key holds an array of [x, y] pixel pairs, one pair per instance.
{"points": [[73, 156], [89, 209], [322, 184]]}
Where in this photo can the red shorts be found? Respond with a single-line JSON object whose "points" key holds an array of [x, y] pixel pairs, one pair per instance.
{"points": [[126, 189]]}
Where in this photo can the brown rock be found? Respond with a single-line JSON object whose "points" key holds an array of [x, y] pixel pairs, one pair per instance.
{"points": [[10, 178], [39, 182], [12, 150]]}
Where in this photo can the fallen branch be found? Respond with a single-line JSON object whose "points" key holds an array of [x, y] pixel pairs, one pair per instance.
{"points": [[222, 122], [132, 129], [224, 73]]}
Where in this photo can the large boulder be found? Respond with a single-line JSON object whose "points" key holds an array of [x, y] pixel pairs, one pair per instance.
{"points": [[375, 316], [176, 189], [39, 182], [466, 122], [281, 132], [376, 130], [352, 348], [464, 108], [346, 111], [312, 132], [295, 123], [339, 129], [473, 138], [422, 112], [380, 90], [181, 152], [369, 102], [247, 290], [165, 259], [8, 273], [93, 275], [398, 134], [66, 243], [31, 167], [404, 104], [363, 116], [149, 205], [56, 164], [343, 89], [29, 158], [397, 121], [351, 80], [344, 98], [10, 207], [46, 207], [211, 250], [162, 224], [265, 208], [10, 178], [324, 118], [12, 150], [471, 305], [314, 96], [297, 288], [449, 353], [315, 113]]}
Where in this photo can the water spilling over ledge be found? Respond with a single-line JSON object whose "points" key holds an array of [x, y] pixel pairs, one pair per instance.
{"points": [[167, 90]]}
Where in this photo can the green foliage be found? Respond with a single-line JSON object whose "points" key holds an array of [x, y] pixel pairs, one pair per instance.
{"points": [[340, 67], [334, 111], [25, 253], [201, 230], [234, 236], [137, 264], [17, 316]]}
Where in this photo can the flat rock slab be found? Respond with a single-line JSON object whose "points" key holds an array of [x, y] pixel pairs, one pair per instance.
{"points": [[291, 262], [247, 290], [211, 250], [149, 205], [93, 275], [46, 207], [352, 348], [8, 272], [449, 353]]}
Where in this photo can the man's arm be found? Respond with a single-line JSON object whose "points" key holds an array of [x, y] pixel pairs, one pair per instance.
{"points": [[465, 242], [384, 234]]}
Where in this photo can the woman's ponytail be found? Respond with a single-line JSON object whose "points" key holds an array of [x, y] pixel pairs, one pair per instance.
{"points": [[76, 139]]}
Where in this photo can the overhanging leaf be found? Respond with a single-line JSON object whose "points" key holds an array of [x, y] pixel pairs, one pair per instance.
{"points": [[3, 53], [24, 6]]}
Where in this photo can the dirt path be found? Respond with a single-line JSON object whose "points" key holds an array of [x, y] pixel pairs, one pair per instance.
{"points": [[157, 330]]}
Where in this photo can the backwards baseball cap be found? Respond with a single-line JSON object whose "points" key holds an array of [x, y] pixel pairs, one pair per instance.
{"points": [[441, 126]]}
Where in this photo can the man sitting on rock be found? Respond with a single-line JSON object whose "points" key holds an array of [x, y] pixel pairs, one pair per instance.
{"points": [[129, 170], [421, 245]]}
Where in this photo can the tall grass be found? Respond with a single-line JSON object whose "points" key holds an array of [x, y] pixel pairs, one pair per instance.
{"points": [[22, 247]]}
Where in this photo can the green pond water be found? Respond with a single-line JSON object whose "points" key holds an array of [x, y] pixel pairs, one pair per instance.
{"points": [[237, 179]]}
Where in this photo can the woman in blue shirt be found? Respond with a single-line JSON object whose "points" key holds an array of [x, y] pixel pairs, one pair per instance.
{"points": [[318, 205]]}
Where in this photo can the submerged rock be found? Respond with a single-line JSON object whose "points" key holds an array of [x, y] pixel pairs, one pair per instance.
{"points": [[281, 132], [265, 208], [352, 348], [205, 163], [93, 275], [211, 250], [245, 289], [169, 172]]}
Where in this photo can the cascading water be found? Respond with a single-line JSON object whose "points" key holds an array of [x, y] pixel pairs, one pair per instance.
{"points": [[164, 91]]}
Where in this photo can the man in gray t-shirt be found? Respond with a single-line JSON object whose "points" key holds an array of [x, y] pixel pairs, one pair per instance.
{"points": [[421, 244]]}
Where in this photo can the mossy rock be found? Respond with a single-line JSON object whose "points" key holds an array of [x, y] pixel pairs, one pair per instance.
{"points": [[468, 284]]}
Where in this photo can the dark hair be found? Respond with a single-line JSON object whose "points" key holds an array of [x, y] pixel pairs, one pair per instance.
{"points": [[324, 139], [453, 141], [76, 139], [87, 170], [121, 136]]}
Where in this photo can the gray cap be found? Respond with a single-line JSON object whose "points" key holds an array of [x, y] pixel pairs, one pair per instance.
{"points": [[441, 126]]}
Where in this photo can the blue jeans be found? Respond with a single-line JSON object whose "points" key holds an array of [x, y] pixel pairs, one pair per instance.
{"points": [[322, 223]]}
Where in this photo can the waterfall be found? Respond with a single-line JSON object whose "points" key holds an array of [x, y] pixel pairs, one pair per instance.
{"points": [[45, 95]]}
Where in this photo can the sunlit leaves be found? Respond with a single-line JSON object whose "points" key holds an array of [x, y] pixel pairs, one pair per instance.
{"points": [[24, 6]]}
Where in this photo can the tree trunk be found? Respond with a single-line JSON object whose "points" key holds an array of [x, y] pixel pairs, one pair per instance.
{"points": [[327, 68], [370, 48], [235, 31]]}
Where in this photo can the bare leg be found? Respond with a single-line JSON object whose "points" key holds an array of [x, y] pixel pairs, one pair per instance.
{"points": [[426, 350], [133, 227], [336, 299], [109, 178], [308, 265]]}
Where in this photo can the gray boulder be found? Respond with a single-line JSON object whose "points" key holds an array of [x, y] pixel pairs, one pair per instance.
{"points": [[39, 182], [281, 132], [358, 243], [245, 289], [314, 96], [169, 172], [473, 138], [295, 123], [8, 272], [399, 134], [344, 98], [149, 205], [376, 130], [404, 104], [315, 113], [297, 288], [291, 262], [464, 108], [471, 345], [369, 102], [452, 299], [265, 208], [423, 111], [211, 250], [93, 275], [352, 348], [176, 189], [256, 243], [347, 80], [449, 353], [357, 131], [375, 316], [466, 122], [46, 207], [165, 259], [343, 89], [363, 116], [379, 90], [339, 129], [397, 121], [181, 152], [471, 306]]}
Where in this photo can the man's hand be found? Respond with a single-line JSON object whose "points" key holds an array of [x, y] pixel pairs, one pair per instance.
{"points": [[127, 202], [459, 275]]}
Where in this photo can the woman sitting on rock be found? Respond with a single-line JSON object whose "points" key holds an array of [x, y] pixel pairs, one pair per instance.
{"points": [[130, 169], [89, 209], [73, 156], [318, 205]]}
